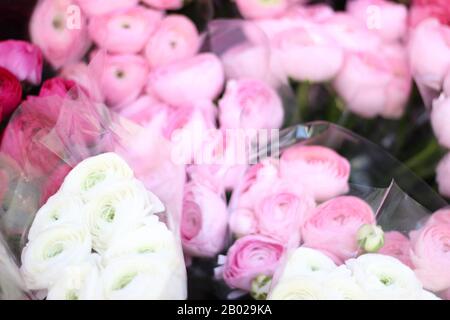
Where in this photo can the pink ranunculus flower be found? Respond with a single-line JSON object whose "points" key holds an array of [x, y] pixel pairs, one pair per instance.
{"points": [[257, 9], [398, 246], [123, 79], [176, 38], [256, 183], [387, 18], [439, 114], [187, 127], [56, 86], [10, 92], [250, 104], [443, 175], [250, 257], [204, 221], [126, 31], [221, 160], [440, 216], [429, 53], [62, 38], [334, 224], [189, 80], [85, 78], [165, 4], [246, 61], [424, 9], [23, 59], [278, 215], [431, 256], [309, 54], [375, 83], [145, 110], [350, 33], [321, 170], [99, 7]]}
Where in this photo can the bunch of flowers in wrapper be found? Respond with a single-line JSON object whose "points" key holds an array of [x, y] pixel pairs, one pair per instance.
{"points": [[302, 230], [123, 170], [99, 237]]}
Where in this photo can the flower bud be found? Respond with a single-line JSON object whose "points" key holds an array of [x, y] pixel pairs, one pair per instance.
{"points": [[260, 287], [370, 238]]}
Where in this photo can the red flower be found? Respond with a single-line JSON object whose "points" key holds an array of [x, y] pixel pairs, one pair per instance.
{"points": [[56, 86], [10, 92]]}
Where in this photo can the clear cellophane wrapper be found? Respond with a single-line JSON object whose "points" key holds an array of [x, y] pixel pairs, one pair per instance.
{"points": [[69, 130], [400, 200]]}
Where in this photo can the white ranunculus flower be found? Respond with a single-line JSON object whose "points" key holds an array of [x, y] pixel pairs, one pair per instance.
{"points": [[143, 277], [45, 257], [153, 237], [299, 288], [343, 286], [384, 277], [95, 172], [307, 262], [79, 282], [118, 209], [59, 209]]}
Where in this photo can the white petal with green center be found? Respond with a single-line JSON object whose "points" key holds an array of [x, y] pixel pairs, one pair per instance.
{"points": [[46, 256], [116, 210], [60, 209], [79, 282], [95, 172]]}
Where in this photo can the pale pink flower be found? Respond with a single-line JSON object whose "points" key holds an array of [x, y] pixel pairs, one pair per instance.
{"points": [[189, 80], [249, 257], [175, 39], [123, 79], [439, 115], [375, 83], [429, 53], [61, 40], [334, 224], [126, 31], [321, 170], [204, 221], [398, 246], [308, 54], [387, 18], [250, 104], [431, 256]]}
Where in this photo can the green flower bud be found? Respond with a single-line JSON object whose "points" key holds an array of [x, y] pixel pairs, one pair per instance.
{"points": [[260, 287], [370, 238]]}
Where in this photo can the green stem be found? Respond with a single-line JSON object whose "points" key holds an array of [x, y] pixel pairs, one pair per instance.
{"points": [[302, 102], [423, 156]]}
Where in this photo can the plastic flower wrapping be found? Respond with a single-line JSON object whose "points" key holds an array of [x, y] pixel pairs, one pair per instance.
{"points": [[240, 149]]}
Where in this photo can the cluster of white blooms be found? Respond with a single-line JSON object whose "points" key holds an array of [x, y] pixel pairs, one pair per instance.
{"points": [[311, 275], [99, 237]]}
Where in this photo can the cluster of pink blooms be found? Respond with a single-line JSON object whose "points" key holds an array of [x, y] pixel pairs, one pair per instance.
{"points": [[361, 51], [300, 200], [429, 48]]}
